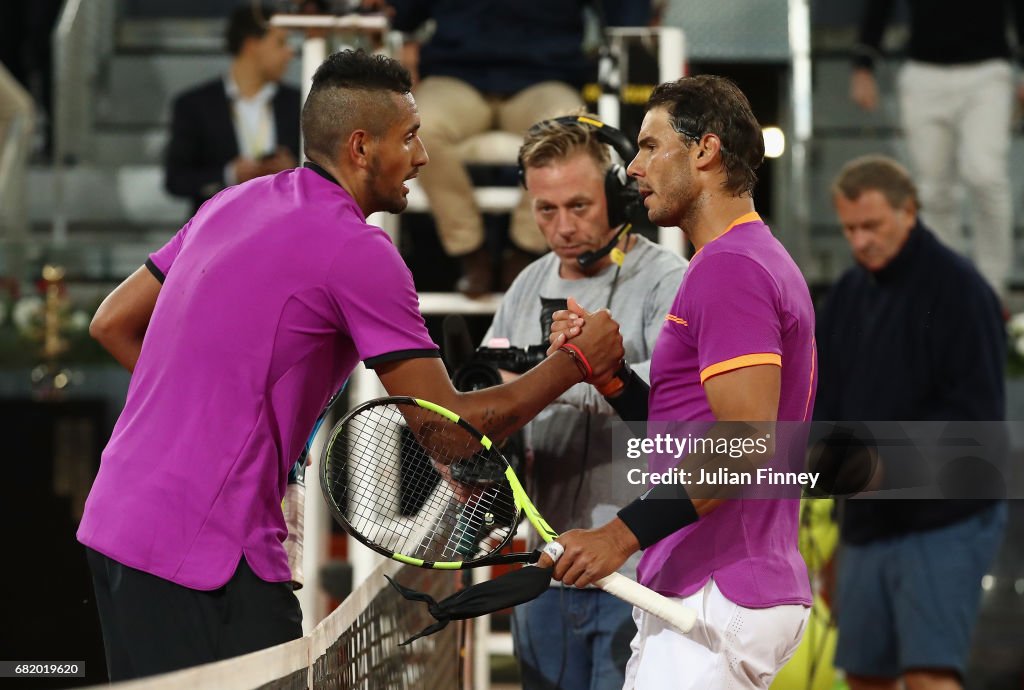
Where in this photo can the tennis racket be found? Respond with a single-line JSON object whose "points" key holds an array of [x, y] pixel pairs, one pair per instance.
{"points": [[418, 484]]}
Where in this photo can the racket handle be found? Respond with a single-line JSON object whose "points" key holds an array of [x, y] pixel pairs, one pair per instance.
{"points": [[294, 507], [672, 612]]}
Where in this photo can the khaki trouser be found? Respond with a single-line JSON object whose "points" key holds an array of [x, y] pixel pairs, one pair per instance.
{"points": [[957, 123], [452, 111], [15, 110]]}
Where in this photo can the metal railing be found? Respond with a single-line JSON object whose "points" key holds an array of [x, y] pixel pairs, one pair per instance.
{"points": [[82, 45]]}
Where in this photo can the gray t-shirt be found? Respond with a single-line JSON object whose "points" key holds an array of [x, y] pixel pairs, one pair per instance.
{"points": [[572, 478]]}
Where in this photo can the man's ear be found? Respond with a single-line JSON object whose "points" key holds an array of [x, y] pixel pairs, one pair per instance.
{"points": [[359, 146], [708, 149]]}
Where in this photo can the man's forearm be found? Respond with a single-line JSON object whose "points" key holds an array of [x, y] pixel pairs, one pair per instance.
{"points": [[124, 349], [502, 410]]}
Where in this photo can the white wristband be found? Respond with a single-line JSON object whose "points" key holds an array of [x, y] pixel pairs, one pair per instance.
{"points": [[554, 550]]}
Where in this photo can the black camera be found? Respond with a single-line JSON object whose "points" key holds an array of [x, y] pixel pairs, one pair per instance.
{"points": [[482, 371]]}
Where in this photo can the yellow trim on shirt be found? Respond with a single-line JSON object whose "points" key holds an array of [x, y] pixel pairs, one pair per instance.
{"points": [[675, 319], [751, 217], [739, 363]]}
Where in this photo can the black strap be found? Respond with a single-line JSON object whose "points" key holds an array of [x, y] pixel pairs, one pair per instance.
{"points": [[511, 589], [631, 403], [659, 512]]}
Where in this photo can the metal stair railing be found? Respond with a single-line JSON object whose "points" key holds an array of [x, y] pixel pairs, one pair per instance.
{"points": [[83, 43]]}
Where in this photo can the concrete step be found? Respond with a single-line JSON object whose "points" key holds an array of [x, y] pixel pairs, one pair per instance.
{"points": [[141, 87], [830, 153], [130, 194], [172, 34], [102, 254], [130, 145], [831, 104], [161, 9]]}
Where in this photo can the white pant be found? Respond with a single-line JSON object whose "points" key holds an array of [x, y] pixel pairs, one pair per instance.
{"points": [[957, 125], [730, 647]]}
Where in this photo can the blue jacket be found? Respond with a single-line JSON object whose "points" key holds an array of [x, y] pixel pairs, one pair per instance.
{"points": [[920, 340]]}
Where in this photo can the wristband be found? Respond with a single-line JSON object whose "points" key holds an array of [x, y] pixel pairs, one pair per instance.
{"points": [[579, 359], [659, 512], [631, 400], [618, 381]]}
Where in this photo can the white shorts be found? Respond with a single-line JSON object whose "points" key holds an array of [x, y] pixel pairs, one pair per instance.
{"points": [[729, 648]]}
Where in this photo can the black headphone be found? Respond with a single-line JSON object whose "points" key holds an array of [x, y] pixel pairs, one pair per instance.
{"points": [[625, 204]]}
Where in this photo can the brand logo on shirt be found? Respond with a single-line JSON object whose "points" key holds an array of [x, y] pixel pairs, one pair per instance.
{"points": [[675, 319]]}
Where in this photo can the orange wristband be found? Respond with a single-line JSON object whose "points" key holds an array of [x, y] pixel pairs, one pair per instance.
{"points": [[617, 383]]}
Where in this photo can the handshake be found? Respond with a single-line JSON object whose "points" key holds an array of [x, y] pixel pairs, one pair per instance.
{"points": [[593, 341]]}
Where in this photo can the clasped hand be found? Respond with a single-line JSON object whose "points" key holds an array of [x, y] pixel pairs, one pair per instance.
{"points": [[595, 333]]}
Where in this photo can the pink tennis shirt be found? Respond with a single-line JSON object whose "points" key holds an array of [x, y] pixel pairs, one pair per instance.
{"points": [[271, 295], [743, 302]]}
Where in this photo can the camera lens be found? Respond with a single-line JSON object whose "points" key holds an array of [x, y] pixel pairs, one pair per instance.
{"points": [[476, 376]]}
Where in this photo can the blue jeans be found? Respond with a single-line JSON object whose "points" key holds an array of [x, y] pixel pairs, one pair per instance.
{"points": [[573, 639]]}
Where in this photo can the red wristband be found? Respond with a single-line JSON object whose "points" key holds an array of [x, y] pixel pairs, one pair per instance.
{"points": [[579, 358]]}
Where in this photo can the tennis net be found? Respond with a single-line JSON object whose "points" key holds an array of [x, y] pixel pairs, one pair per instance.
{"points": [[356, 647]]}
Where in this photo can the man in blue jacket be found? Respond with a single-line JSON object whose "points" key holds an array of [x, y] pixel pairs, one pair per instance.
{"points": [[911, 333]]}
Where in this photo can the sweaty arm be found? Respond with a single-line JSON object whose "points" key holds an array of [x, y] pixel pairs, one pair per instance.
{"points": [[121, 320]]}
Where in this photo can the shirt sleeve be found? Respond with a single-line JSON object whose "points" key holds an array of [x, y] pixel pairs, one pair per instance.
{"points": [[731, 303], [160, 261], [374, 295], [659, 303], [870, 32]]}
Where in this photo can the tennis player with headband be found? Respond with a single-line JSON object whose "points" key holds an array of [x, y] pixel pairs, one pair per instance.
{"points": [[737, 346], [237, 332]]}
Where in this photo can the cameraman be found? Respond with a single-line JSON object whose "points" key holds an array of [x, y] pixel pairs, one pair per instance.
{"points": [[579, 638]]}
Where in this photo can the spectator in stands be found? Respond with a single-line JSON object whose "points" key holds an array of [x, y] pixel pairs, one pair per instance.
{"points": [[912, 332], [242, 125], [571, 638], [493, 64], [956, 96]]}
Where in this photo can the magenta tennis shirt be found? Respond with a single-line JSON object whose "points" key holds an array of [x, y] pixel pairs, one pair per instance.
{"points": [[271, 295], [743, 302]]}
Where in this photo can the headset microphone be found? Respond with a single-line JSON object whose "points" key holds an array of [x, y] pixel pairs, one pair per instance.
{"points": [[587, 259]]}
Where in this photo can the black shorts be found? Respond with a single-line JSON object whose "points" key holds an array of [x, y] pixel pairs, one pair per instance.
{"points": [[151, 625]]}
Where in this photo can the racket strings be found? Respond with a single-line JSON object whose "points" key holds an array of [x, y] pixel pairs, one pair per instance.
{"points": [[435, 494]]}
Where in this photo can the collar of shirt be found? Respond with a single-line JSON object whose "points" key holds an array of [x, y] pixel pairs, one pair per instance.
{"points": [[262, 97], [253, 119]]}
